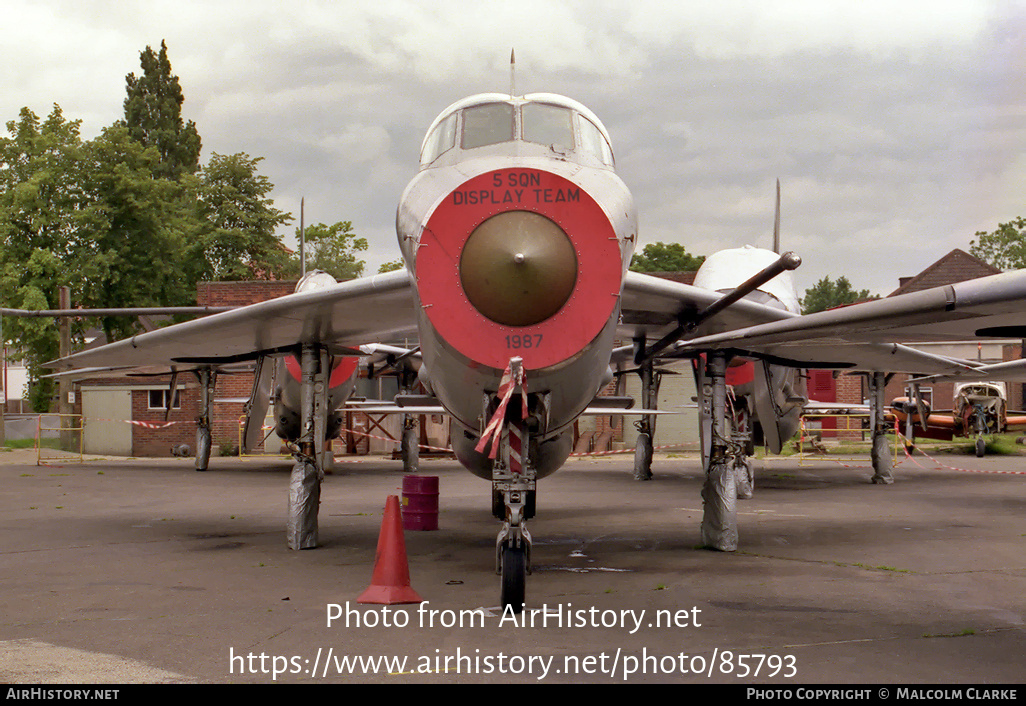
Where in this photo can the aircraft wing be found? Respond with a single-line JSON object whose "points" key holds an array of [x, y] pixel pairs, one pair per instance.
{"points": [[340, 317], [864, 336], [650, 306], [1009, 371]]}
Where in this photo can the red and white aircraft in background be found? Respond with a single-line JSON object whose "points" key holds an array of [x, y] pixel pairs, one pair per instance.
{"points": [[517, 234]]}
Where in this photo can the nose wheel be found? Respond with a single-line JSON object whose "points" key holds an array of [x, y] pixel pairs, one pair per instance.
{"points": [[513, 545], [514, 577]]}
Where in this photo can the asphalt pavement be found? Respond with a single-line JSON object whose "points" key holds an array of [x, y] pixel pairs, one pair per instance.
{"points": [[143, 570]]}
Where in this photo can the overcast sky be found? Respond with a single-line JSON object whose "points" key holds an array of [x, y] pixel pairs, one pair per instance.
{"points": [[897, 129]]}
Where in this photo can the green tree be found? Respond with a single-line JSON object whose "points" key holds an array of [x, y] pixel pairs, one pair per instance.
{"points": [[135, 233], [1005, 247], [153, 115], [392, 266], [90, 216], [41, 209], [237, 237], [826, 294], [333, 249], [665, 257]]}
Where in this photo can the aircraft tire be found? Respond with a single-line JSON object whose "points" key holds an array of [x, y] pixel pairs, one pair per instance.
{"points": [[981, 447], [514, 577]]}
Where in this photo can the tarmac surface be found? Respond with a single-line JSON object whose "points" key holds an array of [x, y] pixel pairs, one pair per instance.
{"points": [[142, 570]]}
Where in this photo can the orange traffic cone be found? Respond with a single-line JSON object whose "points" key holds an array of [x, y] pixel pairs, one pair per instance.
{"points": [[391, 581]]}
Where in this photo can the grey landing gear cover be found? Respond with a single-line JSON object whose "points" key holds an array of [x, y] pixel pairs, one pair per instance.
{"points": [[719, 502], [410, 445], [304, 503], [305, 482], [650, 380], [643, 457], [719, 493], [880, 453], [744, 477], [207, 382]]}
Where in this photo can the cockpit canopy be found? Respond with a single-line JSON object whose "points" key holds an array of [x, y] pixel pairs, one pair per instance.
{"points": [[560, 123]]}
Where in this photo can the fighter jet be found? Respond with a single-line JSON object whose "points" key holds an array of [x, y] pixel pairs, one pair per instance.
{"points": [[517, 233]]}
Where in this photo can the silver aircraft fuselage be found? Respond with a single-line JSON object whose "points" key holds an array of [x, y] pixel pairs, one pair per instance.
{"points": [[518, 233]]}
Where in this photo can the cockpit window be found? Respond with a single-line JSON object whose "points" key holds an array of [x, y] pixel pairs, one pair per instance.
{"points": [[593, 141], [442, 139], [487, 124], [548, 125]]}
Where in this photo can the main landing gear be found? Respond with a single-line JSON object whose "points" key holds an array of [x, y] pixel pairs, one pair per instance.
{"points": [[880, 453], [650, 379], [409, 447], [719, 493], [307, 472], [981, 429], [208, 379]]}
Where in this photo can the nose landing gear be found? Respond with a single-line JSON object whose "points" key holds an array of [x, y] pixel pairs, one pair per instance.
{"points": [[514, 480]]}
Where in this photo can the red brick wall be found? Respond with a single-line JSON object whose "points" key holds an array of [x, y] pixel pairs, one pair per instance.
{"points": [[226, 415], [850, 389], [158, 442], [241, 293]]}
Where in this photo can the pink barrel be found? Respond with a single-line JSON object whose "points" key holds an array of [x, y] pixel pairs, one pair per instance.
{"points": [[420, 502]]}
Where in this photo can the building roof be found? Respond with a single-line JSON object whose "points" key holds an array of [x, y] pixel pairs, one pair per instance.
{"points": [[956, 266], [684, 277]]}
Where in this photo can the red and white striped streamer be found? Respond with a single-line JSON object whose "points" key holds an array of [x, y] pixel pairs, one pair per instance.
{"points": [[507, 386]]}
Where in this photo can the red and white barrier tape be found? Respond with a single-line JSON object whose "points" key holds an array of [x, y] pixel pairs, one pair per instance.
{"points": [[155, 425], [148, 425], [676, 447], [952, 468], [511, 380]]}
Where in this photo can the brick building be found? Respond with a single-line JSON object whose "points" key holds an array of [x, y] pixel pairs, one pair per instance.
{"points": [[126, 415]]}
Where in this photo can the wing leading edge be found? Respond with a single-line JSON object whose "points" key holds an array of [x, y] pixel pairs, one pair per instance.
{"points": [[862, 336], [343, 316]]}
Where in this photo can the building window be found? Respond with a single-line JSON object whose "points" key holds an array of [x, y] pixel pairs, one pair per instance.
{"points": [[158, 399]]}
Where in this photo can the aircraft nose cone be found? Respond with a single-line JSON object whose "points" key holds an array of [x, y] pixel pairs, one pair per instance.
{"points": [[518, 268]]}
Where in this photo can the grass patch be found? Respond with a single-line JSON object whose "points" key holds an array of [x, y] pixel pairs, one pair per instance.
{"points": [[883, 568], [964, 633], [997, 445], [12, 444]]}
